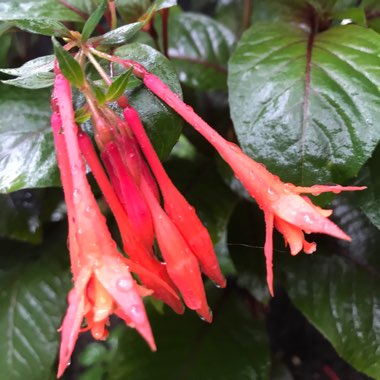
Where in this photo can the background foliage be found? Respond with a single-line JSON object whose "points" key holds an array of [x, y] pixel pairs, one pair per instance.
{"points": [[300, 79]]}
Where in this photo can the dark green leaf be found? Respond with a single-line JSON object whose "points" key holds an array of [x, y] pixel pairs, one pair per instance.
{"points": [[369, 199], [69, 66], [19, 218], [5, 44], [34, 285], [234, 346], [46, 27], [27, 157], [307, 105], [93, 20], [35, 81], [162, 124], [338, 289], [119, 36], [118, 86], [35, 10], [93, 354], [200, 47], [35, 66]]}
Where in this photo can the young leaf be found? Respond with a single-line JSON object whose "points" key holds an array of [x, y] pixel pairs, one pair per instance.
{"points": [[93, 20], [99, 94], [118, 86], [69, 66]]}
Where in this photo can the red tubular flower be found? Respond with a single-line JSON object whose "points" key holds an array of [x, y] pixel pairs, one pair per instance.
{"points": [[102, 281], [282, 204], [181, 264], [159, 282], [176, 206]]}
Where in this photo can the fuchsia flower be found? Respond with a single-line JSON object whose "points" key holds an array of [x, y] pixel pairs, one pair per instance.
{"points": [[182, 238], [283, 206], [103, 284]]}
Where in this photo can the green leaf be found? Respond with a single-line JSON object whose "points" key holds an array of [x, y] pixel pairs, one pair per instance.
{"points": [[20, 217], [34, 285], [118, 36], [307, 105], [118, 86], [35, 10], [368, 200], [200, 48], [93, 20], [27, 157], [46, 27], [35, 81], [69, 66], [161, 123], [234, 346], [338, 289], [34, 66]]}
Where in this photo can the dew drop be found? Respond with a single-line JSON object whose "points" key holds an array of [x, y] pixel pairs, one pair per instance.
{"points": [[124, 284], [90, 211], [76, 196], [272, 194], [307, 219], [137, 314]]}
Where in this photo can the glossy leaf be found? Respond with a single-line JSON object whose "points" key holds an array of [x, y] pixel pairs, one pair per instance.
{"points": [[35, 81], [120, 35], [162, 124], [307, 105], [338, 290], [68, 65], [234, 346], [36, 9], [46, 27], [200, 48], [93, 20], [27, 156], [34, 285], [369, 199], [35, 66]]}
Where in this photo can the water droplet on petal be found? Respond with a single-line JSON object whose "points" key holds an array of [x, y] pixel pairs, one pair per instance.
{"points": [[307, 219], [90, 212], [124, 284], [137, 314], [76, 196], [272, 194]]}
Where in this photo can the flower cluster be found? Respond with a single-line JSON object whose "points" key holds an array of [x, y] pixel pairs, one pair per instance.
{"points": [[134, 182]]}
